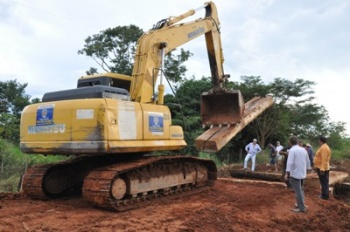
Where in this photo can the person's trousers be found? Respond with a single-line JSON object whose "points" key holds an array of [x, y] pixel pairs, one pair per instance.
{"points": [[324, 181], [285, 181], [247, 158], [298, 187]]}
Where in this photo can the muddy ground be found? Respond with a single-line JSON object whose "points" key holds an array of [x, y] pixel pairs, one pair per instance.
{"points": [[231, 205]]}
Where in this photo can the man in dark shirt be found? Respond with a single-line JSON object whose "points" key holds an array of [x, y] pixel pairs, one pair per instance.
{"points": [[284, 154], [273, 155]]}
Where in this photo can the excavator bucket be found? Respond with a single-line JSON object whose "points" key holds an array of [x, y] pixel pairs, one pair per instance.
{"points": [[215, 138], [222, 108]]}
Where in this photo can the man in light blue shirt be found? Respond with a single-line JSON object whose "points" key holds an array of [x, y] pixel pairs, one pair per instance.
{"points": [[298, 163], [252, 150]]}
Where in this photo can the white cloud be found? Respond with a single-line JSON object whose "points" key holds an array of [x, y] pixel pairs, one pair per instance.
{"points": [[289, 39]]}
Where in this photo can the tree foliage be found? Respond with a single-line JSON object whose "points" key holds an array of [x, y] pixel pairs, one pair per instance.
{"points": [[114, 50], [12, 101], [13, 97], [188, 114]]}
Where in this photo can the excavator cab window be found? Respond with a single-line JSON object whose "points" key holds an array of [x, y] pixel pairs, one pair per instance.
{"points": [[105, 81], [92, 82], [119, 83]]}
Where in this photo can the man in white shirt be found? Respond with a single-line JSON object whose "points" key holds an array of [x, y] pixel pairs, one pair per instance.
{"points": [[252, 150], [297, 164], [279, 148]]}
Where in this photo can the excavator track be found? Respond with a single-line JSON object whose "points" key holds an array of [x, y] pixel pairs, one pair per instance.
{"points": [[129, 185], [116, 184], [32, 180], [61, 179]]}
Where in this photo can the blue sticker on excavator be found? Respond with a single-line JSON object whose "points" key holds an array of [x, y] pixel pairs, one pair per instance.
{"points": [[155, 123], [44, 116]]}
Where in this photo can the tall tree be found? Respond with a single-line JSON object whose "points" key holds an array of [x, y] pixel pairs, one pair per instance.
{"points": [[293, 111]]}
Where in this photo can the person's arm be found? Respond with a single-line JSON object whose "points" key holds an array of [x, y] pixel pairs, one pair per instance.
{"points": [[290, 159], [324, 158], [308, 164], [258, 149], [247, 147]]}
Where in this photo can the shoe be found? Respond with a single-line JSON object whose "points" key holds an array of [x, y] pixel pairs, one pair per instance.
{"points": [[323, 198], [297, 210], [296, 205]]}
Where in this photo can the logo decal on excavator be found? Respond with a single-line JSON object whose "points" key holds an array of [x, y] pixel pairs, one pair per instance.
{"points": [[155, 123], [44, 115], [50, 129], [196, 32]]}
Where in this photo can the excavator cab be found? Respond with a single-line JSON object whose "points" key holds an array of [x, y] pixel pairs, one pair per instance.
{"points": [[222, 108]]}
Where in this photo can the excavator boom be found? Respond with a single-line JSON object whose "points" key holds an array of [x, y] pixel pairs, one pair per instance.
{"points": [[219, 106]]}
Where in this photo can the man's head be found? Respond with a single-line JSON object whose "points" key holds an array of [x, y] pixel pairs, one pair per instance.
{"points": [[322, 139], [278, 143], [155, 120], [293, 140], [254, 140]]}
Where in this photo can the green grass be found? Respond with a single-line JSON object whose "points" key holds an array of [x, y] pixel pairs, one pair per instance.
{"points": [[13, 164]]}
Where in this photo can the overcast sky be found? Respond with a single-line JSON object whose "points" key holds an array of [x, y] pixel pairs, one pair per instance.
{"points": [[39, 40]]}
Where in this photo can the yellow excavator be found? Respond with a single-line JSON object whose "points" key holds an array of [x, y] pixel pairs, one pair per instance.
{"points": [[112, 123]]}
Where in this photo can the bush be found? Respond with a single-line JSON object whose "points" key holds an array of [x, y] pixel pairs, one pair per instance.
{"points": [[14, 163], [338, 155], [214, 158]]}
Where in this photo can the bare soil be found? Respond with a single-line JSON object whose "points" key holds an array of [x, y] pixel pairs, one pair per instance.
{"points": [[231, 205]]}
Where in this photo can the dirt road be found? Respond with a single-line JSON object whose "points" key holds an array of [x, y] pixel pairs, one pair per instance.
{"points": [[231, 205]]}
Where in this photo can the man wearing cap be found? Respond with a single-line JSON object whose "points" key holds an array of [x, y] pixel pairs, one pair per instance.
{"points": [[252, 150], [321, 163]]}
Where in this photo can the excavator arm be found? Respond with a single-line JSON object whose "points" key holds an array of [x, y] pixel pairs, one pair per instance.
{"points": [[166, 36], [222, 110]]}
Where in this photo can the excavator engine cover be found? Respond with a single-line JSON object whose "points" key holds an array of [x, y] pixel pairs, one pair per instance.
{"points": [[222, 108]]}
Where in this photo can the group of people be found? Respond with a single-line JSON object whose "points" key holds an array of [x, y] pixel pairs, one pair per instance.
{"points": [[297, 160]]}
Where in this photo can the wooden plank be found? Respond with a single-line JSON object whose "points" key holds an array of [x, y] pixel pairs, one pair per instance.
{"points": [[215, 138], [248, 174], [200, 143]]}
